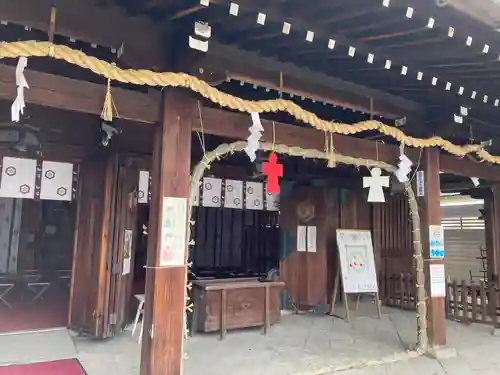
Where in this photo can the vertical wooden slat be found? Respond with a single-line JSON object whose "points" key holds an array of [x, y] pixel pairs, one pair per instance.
{"points": [[474, 302], [448, 299], [465, 302], [456, 311], [380, 279], [414, 289], [484, 305], [401, 289], [493, 302], [392, 292], [409, 289], [397, 222]]}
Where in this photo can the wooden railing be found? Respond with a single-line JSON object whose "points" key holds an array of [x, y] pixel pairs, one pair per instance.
{"points": [[470, 302], [465, 301], [398, 290]]}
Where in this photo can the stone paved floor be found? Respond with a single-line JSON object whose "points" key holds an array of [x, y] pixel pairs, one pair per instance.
{"points": [[310, 345]]}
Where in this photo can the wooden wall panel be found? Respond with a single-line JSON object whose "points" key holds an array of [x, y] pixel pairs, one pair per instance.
{"points": [[392, 235], [89, 284], [309, 277], [355, 212], [305, 274], [235, 240]]}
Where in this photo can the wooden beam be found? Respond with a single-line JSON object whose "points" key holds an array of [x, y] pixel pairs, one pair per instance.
{"points": [[74, 95], [80, 96], [263, 71], [235, 126], [163, 329], [83, 20], [468, 168]]}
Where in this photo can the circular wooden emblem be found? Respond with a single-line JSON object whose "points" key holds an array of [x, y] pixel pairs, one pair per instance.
{"points": [[305, 211]]}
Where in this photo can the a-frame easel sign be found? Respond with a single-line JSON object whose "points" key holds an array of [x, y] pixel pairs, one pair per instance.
{"points": [[356, 267]]}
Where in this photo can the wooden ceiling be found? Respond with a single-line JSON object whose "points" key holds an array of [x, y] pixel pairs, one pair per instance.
{"points": [[368, 26]]}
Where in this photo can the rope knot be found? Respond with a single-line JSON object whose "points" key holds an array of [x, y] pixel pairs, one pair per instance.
{"points": [[52, 50]]}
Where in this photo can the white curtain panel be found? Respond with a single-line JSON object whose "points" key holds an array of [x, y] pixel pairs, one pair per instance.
{"points": [[212, 192], [57, 181], [272, 202], [143, 190], [233, 194], [254, 197], [18, 178]]}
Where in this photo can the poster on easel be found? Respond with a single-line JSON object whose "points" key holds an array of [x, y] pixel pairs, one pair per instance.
{"points": [[356, 267], [357, 262]]}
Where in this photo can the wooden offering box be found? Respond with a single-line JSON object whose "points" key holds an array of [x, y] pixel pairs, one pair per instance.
{"points": [[225, 304]]}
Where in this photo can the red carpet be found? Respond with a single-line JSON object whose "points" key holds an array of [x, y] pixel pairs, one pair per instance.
{"points": [[64, 367]]}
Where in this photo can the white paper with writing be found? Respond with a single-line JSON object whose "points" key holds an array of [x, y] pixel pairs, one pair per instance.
{"points": [[438, 280], [311, 239], [173, 232], [301, 238]]}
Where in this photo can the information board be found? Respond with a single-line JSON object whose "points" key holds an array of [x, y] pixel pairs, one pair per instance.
{"points": [[357, 262]]}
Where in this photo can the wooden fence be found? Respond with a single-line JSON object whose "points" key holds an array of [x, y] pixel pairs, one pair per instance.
{"points": [[465, 301]]}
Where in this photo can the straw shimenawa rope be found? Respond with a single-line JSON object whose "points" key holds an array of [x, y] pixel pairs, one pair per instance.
{"points": [[150, 78], [228, 149]]}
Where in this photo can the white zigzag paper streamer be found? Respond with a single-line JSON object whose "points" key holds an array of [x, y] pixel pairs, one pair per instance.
{"points": [[254, 138], [404, 166], [17, 108]]}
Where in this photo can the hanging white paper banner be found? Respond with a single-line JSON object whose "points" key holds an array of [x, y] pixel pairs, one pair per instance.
{"points": [[143, 191], [198, 45], [57, 181], [272, 202], [212, 192], [17, 108], [458, 119], [233, 194], [404, 166], [254, 138], [203, 29], [18, 178], [254, 196]]}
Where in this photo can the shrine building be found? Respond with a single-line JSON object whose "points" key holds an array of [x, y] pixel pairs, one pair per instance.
{"points": [[212, 166]]}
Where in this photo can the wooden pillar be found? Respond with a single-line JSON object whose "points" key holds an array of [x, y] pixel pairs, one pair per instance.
{"points": [[492, 241], [492, 232], [431, 215], [164, 302]]}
